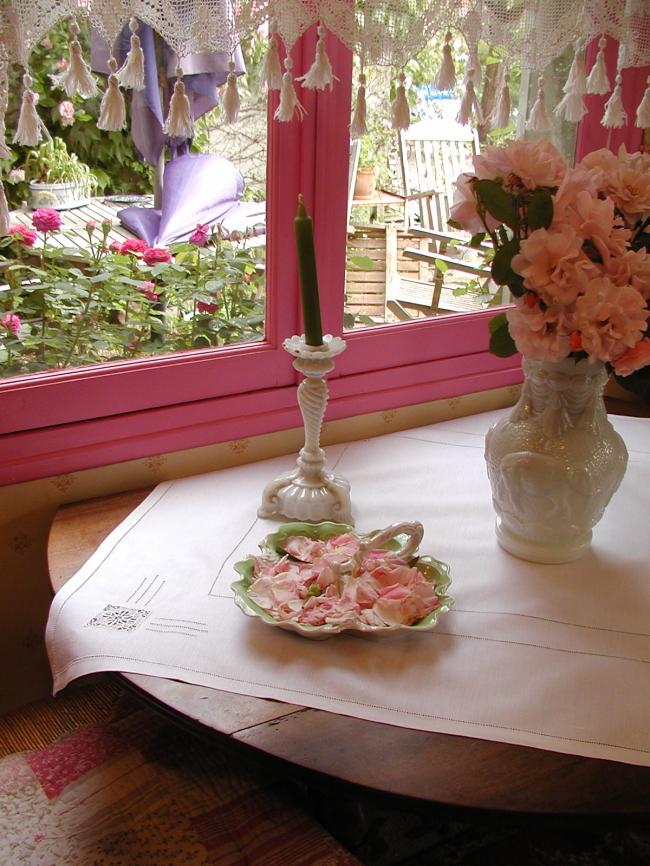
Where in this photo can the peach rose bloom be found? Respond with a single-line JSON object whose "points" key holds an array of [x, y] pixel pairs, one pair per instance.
{"points": [[552, 261], [593, 220], [633, 359], [537, 164], [632, 268], [535, 336], [463, 210], [610, 318]]}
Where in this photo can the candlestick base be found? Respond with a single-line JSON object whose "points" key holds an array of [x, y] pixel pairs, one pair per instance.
{"points": [[309, 492]]}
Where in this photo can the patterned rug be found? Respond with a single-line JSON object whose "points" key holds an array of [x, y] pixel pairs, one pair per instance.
{"points": [[140, 791], [136, 789]]}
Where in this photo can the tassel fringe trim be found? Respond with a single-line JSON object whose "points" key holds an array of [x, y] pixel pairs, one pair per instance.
{"points": [[399, 109], [289, 104], [77, 78], [112, 111], [598, 82], [271, 68], [320, 73], [131, 75], [231, 101], [358, 127], [446, 77], [179, 123]]}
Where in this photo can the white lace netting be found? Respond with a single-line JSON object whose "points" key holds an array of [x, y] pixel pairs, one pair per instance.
{"points": [[385, 32]]}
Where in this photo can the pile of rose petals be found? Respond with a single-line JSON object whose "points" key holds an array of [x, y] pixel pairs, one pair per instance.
{"points": [[336, 581]]}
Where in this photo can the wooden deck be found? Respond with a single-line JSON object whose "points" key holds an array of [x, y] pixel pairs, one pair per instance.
{"points": [[373, 291], [73, 235]]}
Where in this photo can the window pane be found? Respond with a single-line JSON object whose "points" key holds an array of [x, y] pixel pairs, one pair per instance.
{"points": [[117, 279], [404, 261]]}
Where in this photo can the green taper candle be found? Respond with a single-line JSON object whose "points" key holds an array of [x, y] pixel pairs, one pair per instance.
{"points": [[308, 277]]}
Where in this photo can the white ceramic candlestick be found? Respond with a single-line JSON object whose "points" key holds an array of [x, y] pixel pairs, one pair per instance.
{"points": [[309, 493]]}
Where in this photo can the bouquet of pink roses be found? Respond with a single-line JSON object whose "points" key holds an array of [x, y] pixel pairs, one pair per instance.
{"points": [[573, 247]]}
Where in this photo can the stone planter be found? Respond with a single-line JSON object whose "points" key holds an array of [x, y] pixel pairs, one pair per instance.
{"points": [[58, 196]]}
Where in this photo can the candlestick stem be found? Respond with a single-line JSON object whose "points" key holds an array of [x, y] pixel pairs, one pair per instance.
{"points": [[309, 492]]}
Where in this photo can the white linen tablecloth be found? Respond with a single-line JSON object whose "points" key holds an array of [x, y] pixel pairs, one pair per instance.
{"points": [[551, 656]]}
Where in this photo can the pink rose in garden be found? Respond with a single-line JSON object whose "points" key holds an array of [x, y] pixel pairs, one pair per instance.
{"points": [[45, 219], [16, 175], [132, 245], [200, 236], [91, 225], [11, 321], [66, 112], [148, 289], [156, 255], [633, 359], [204, 307], [23, 234]]}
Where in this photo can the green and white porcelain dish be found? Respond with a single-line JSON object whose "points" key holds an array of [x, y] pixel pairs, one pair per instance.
{"points": [[402, 538]]}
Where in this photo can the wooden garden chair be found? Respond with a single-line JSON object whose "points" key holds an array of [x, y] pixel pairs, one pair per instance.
{"points": [[432, 154]]}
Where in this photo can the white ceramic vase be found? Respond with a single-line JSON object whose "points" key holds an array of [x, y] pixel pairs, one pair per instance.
{"points": [[554, 462]]}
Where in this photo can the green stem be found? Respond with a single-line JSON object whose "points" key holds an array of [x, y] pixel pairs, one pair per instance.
{"points": [[77, 334]]}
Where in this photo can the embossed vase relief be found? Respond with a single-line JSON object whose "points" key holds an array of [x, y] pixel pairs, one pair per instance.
{"points": [[554, 462]]}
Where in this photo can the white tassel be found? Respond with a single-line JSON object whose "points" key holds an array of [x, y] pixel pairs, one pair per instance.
{"points": [[577, 78], [179, 123], [615, 115], [77, 78], [131, 75], [399, 109], [4, 211], [289, 103], [358, 127], [598, 82], [642, 112], [28, 131], [446, 77], [231, 96], [502, 113], [469, 106], [271, 69], [112, 111], [572, 107], [320, 74], [539, 120]]}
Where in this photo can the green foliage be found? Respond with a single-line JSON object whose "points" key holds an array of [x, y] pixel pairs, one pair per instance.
{"points": [[501, 343], [50, 162], [111, 155], [109, 305]]}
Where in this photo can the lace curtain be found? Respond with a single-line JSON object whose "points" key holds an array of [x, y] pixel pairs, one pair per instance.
{"points": [[384, 32]]}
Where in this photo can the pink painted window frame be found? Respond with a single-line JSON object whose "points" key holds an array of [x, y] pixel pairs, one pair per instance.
{"points": [[60, 422]]}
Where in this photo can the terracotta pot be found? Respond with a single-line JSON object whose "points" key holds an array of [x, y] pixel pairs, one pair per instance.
{"points": [[365, 183]]}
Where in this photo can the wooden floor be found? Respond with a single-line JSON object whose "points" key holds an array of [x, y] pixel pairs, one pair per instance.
{"points": [[73, 235]]}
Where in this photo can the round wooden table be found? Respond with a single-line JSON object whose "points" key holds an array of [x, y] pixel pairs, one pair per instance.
{"points": [[437, 768]]}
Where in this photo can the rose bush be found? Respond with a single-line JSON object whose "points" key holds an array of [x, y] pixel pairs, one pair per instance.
{"points": [[126, 302], [573, 247]]}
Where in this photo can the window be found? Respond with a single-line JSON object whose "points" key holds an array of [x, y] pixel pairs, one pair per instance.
{"points": [[61, 421]]}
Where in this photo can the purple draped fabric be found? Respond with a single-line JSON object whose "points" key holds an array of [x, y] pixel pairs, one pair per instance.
{"points": [[197, 188], [203, 73]]}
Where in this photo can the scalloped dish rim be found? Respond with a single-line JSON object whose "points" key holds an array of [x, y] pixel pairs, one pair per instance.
{"points": [[320, 632]]}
